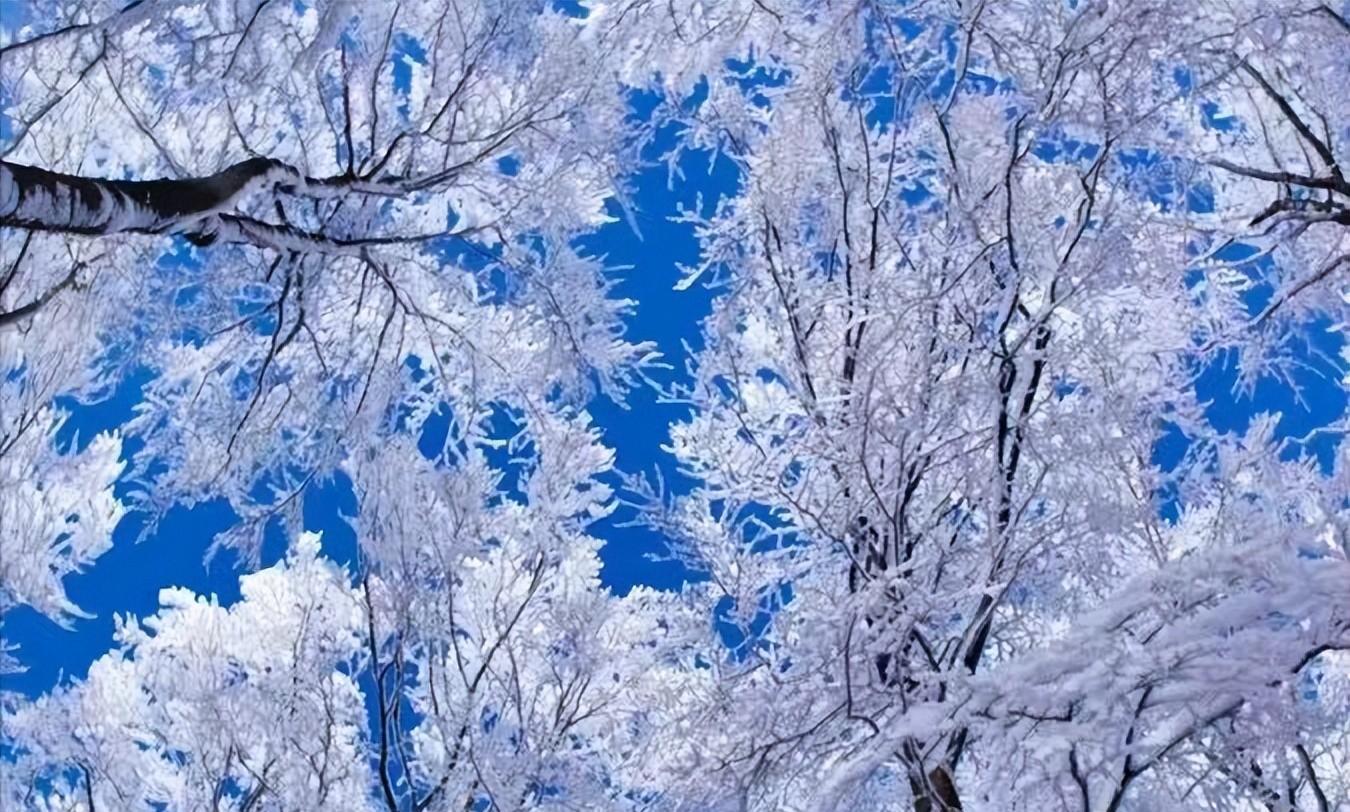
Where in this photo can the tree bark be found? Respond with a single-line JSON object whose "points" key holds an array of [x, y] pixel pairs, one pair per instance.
{"points": [[937, 794], [204, 209], [41, 200]]}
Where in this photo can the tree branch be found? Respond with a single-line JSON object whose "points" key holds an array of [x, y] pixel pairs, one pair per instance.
{"points": [[9, 317]]}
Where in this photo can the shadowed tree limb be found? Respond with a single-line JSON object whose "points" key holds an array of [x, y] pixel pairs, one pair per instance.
{"points": [[202, 209], [129, 13], [9, 317], [42, 200]]}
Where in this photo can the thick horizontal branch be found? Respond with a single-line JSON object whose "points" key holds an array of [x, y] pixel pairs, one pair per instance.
{"points": [[235, 229], [1305, 132], [1336, 17], [8, 317], [204, 208], [129, 14], [41, 200], [1288, 178], [1306, 208]]}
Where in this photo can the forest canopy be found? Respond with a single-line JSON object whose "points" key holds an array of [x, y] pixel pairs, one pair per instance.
{"points": [[954, 515]]}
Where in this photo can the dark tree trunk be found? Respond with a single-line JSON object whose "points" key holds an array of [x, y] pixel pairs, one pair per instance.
{"points": [[40, 200], [938, 794]]}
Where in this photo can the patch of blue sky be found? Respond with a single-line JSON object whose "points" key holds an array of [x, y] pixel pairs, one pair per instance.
{"points": [[508, 447], [745, 630], [671, 319], [1057, 146], [910, 28], [406, 52], [1184, 79], [7, 132], [125, 580], [502, 436], [572, 8], [643, 103], [764, 529], [1165, 181], [1215, 120], [987, 85], [1307, 399], [496, 283], [915, 193], [1149, 174], [1257, 267], [894, 92], [89, 418], [14, 15], [440, 435], [439, 438], [761, 527], [1177, 455], [753, 77], [45, 784], [330, 503], [1200, 198]]}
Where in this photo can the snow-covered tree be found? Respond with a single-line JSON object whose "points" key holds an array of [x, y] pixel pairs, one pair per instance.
{"points": [[476, 661], [250, 707], [978, 253], [336, 178], [309, 229], [958, 312], [359, 194]]}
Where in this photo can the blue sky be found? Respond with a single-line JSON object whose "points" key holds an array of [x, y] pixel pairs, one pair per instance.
{"points": [[129, 577]]}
